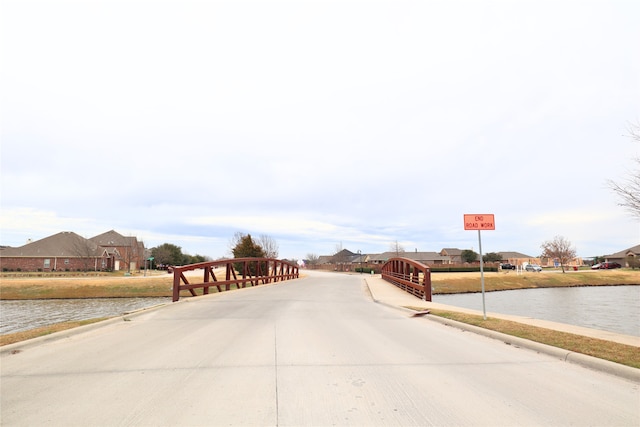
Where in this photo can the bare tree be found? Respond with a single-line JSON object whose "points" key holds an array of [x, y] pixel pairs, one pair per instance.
{"points": [[340, 257], [86, 250], [269, 246], [267, 243], [397, 248], [235, 241], [312, 259], [130, 252], [559, 249], [629, 189]]}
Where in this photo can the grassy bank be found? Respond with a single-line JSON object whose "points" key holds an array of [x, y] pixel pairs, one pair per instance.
{"points": [[85, 287], [449, 283], [607, 350], [160, 285], [44, 330]]}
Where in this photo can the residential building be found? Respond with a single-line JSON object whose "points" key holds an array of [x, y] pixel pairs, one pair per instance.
{"points": [[68, 251], [126, 252], [627, 258]]}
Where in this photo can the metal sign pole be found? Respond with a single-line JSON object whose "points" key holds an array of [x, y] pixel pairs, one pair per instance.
{"points": [[484, 311], [480, 222]]}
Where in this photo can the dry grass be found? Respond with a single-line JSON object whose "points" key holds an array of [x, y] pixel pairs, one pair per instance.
{"points": [[615, 352], [86, 287], [448, 283], [44, 330]]}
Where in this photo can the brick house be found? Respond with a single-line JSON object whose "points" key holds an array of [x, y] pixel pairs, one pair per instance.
{"points": [[427, 258], [126, 252], [454, 254], [518, 258], [65, 251], [68, 251]]}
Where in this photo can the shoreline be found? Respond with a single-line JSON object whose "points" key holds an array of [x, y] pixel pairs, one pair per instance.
{"points": [[161, 284], [212, 291]]}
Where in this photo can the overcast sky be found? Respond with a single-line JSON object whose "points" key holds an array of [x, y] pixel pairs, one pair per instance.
{"points": [[320, 123]]}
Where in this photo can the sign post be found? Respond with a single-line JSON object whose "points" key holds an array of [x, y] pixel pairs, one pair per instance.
{"points": [[480, 222], [150, 260]]}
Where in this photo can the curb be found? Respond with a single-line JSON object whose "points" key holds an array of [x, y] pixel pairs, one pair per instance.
{"points": [[584, 360], [22, 345], [19, 346]]}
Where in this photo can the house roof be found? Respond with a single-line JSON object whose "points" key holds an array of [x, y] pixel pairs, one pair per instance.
{"points": [[622, 254], [516, 255], [451, 251], [344, 254], [113, 238], [416, 256], [63, 244]]}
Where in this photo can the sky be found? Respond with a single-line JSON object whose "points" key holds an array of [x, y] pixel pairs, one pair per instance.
{"points": [[321, 124]]}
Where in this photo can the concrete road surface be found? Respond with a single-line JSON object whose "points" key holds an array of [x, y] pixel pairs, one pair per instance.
{"points": [[314, 351]]}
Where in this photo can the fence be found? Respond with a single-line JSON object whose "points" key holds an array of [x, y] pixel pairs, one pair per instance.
{"points": [[409, 275], [241, 272]]}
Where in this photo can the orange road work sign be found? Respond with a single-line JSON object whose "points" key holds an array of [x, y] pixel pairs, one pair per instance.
{"points": [[479, 222]]}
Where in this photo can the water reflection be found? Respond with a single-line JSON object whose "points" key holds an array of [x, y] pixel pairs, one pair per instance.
{"points": [[608, 308], [22, 315]]}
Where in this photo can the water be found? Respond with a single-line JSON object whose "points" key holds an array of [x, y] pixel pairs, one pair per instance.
{"points": [[608, 308], [22, 315]]}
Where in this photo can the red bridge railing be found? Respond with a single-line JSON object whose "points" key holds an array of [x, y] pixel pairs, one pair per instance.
{"points": [[409, 275], [241, 272]]}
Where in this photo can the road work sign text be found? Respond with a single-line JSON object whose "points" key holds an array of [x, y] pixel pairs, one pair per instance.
{"points": [[479, 222]]}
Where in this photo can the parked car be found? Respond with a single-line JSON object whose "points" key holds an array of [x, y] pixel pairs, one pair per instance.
{"points": [[596, 266], [507, 266], [609, 265], [533, 267]]}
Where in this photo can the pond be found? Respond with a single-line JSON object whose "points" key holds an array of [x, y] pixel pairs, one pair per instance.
{"points": [[608, 308], [21, 315]]}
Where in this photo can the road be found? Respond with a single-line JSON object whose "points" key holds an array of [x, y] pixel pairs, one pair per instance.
{"points": [[313, 351]]}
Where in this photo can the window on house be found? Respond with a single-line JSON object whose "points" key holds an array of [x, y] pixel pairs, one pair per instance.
{"points": [[66, 261], [47, 263]]}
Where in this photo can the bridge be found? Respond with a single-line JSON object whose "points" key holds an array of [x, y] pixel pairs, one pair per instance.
{"points": [[316, 350], [238, 272], [409, 275]]}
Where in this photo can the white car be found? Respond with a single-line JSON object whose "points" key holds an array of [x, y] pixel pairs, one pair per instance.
{"points": [[533, 267]]}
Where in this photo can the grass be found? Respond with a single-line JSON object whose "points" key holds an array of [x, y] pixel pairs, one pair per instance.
{"points": [[607, 350], [112, 286], [44, 330], [442, 283]]}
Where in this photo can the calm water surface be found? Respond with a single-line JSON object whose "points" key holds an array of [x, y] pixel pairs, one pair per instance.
{"points": [[608, 308], [22, 315]]}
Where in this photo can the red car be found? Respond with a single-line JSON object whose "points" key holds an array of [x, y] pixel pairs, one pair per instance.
{"points": [[609, 265]]}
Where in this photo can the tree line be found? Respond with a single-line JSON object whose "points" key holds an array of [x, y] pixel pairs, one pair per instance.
{"points": [[241, 246]]}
